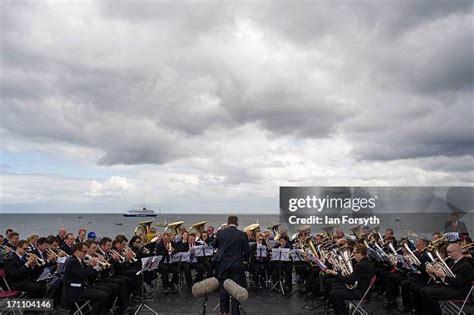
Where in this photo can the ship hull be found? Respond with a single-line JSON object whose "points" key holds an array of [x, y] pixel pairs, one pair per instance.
{"points": [[140, 215]]}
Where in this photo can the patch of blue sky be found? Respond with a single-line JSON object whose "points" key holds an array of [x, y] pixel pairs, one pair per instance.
{"points": [[39, 163]]}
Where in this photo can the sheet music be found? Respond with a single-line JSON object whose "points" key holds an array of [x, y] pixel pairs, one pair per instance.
{"points": [[281, 254], [261, 251], [45, 274]]}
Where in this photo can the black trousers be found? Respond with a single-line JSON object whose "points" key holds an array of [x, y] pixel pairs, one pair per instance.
{"points": [[340, 293], [135, 281], [33, 289], [407, 290], [123, 292], [165, 270], [312, 283], [431, 296], [187, 267], [416, 296], [98, 299], [258, 271], [236, 272], [392, 282]]}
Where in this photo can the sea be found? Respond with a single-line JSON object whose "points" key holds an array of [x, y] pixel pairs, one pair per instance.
{"points": [[111, 224]]}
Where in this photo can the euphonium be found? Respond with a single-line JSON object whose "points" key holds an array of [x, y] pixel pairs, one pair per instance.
{"points": [[275, 230], [143, 231], [329, 231], [356, 230]]}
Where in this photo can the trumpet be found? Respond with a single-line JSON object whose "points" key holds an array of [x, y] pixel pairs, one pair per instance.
{"points": [[39, 261], [104, 261], [134, 256], [121, 258], [5, 249], [89, 258]]}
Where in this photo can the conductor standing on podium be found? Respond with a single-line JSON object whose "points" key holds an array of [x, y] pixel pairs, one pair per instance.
{"points": [[233, 250]]}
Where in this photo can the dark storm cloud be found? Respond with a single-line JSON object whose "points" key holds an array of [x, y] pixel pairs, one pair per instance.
{"points": [[147, 82]]}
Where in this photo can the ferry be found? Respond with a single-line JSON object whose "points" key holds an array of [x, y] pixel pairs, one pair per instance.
{"points": [[140, 213]]}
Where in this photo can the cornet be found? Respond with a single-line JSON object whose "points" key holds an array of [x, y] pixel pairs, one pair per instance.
{"points": [[39, 261], [121, 258]]}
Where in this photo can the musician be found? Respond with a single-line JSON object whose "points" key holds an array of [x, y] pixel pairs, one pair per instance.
{"points": [[7, 236], [233, 250], [22, 271], [68, 245], [104, 251], [362, 274], [187, 243], [81, 236], [456, 287], [210, 232], [413, 278], [205, 238], [76, 277], [41, 251], [436, 236], [13, 238], [113, 288], [167, 248], [454, 225], [61, 236], [284, 268], [32, 240], [258, 265]]}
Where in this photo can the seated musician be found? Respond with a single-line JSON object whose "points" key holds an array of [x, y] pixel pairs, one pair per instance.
{"points": [[360, 277], [111, 287], [284, 268], [455, 287], [32, 241], [210, 232], [205, 238], [258, 264], [167, 248], [415, 278], [187, 243], [76, 278], [12, 240], [22, 271], [68, 245]]}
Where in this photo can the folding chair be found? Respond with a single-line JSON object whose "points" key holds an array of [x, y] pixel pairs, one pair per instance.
{"points": [[457, 307], [6, 295], [355, 306]]}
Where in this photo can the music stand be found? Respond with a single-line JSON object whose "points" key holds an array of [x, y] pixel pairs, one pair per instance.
{"points": [[261, 255], [148, 264], [280, 255]]}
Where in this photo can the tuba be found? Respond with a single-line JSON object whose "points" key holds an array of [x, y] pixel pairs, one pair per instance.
{"points": [[143, 231], [174, 228], [254, 228], [198, 227]]}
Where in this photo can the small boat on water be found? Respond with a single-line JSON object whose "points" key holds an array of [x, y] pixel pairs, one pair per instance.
{"points": [[140, 213]]}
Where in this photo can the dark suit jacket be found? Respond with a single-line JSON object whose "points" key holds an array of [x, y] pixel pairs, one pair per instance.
{"points": [[17, 273], [363, 272], [66, 249], [232, 245], [75, 273], [463, 276], [161, 250], [461, 227]]}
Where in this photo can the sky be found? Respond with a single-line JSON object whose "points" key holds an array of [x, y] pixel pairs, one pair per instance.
{"points": [[211, 106]]}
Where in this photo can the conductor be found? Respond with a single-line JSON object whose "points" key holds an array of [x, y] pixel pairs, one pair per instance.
{"points": [[233, 250]]}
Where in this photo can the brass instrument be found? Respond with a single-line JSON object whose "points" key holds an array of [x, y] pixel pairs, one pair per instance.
{"points": [[357, 231], [5, 250], [39, 261], [199, 227], [434, 245], [439, 263], [329, 230], [254, 228], [411, 257], [144, 232], [124, 253], [308, 246], [275, 228], [104, 261], [393, 257], [103, 264], [121, 258], [174, 227]]}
